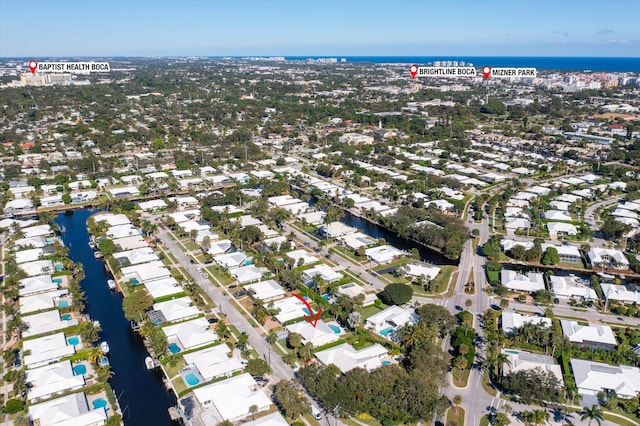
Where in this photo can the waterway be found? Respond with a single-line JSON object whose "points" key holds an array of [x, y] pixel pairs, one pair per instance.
{"points": [[377, 231], [141, 393]]}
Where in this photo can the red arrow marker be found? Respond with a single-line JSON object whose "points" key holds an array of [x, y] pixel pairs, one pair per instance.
{"points": [[310, 318], [413, 71]]}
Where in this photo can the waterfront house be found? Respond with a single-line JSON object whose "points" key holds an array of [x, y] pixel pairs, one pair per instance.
{"points": [[176, 309], [190, 334], [572, 287], [163, 287], [566, 252], [620, 293], [213, 362], [387, 322], [608, 258], [46, 349], [68, 410], [45, 322], [383, 254], [231, 399], [48, 380]]}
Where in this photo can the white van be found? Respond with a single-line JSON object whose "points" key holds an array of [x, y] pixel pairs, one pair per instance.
{"points": [[316, 413]]}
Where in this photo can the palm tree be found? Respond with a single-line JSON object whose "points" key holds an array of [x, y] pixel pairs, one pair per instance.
{"points": [[223, 331], [243, 338], [593, 413], [457, 400], [253, 410], [272, 337], [96, 354], [21, 419]]}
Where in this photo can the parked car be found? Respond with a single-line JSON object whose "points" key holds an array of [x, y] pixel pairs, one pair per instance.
{"points": [[232, 286]]}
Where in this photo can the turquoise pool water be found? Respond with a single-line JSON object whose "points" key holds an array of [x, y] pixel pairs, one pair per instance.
{"points": [[512, 352], [335, 328], [174, 349], [80, 369], [191, 379], [57, 280], [134, 281], [325, 296], [306, 311], [247, 263], [63, 304], [58, 268], [66, 317], [386, 363], [99, 403], [386, 331], [74, 340]]}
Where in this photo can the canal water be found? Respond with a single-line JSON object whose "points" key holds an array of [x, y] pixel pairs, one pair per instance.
{"points": [[141, 393], [376, 231]]}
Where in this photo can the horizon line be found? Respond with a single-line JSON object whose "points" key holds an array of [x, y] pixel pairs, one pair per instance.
{"points": [[315, 56]]}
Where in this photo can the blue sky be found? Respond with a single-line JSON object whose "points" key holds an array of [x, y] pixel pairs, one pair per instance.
{"points": [[35, 28]]}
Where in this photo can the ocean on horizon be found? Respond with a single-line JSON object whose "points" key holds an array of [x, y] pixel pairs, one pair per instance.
{"points": [[539, 62]]}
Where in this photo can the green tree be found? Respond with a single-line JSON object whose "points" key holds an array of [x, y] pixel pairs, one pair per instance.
{"points": [[107, 247], [290, 399], [257, 367], [136, 304], [396, 294], [551, 256]]}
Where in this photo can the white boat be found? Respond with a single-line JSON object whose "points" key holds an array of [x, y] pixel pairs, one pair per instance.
{"points": [[111, 284], [148, 361], [97, 254], [105, 347]]}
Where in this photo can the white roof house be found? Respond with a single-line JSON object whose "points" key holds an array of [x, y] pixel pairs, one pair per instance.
{"points": [[46, 349], [513, 320], [608, 258], [383, 254], [312, 218], [336, 229], [37, 242], [40, 301], [136, 256], [191, 334], [561, 215], [556, 228], [230, 399], [214, 362], [36, 284], [620, 293], [28, 255], [152, 205], [177, 309], [520, 360], [352, 290], [346, 358], [122, 231], [319, 335], [324, 271], [593, 377], [522, 282], [593, 335], [356, 240], [298, 255], [131, 242], [417, 270], [231, 260], [247, 220], [266, 290], [145, 272], [112, 219], [247, 274], [163, 287], [51, 379], [290, 308], [273, 419], [69, 410], [570, 286], [219, 247], [390, 320], [517, 223], [38, 267], [508, 244], [37, 231], [45, 322]]}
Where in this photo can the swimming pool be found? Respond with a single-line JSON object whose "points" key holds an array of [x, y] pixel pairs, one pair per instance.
{"points": [[191, 379], [57, 280], [134, 281], [174, 348], [80, 369], [326, 296], [74, 340], [99, 403], [63, 304], [386, 331], [334, 328], [66, 317], [386, 363], [59, 268], [306, 311]]}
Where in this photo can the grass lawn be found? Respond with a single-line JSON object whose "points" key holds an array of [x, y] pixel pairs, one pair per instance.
{"points": [[174, 371], [484, 420], [191, 246], [442, 280], [493, 276], [348, 254], [370, 310], [179, 385], [220, 275], [619, 420], [395, 264], [455, 415]]}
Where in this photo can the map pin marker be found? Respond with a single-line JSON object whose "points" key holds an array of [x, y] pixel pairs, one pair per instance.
{"points": [[413, 70], [32, 66], [486, 71]]}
